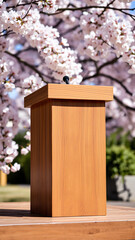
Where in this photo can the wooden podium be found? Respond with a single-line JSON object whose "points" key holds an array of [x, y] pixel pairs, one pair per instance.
{"points": [[68, 149]]}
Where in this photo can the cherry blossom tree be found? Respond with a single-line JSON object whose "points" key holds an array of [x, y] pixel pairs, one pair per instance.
{"points": [[41, 41]]}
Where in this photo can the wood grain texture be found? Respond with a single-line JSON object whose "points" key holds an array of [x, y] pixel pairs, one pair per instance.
{"points": [[16, 222], [68, 176], [13, 213], [41, 164], [85, 231], [78, 158], [3, 179], [36, 97], [64, 91]]}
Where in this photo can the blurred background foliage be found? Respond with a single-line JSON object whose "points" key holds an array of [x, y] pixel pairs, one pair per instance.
{"points": [[15, 193], [120, 156]]}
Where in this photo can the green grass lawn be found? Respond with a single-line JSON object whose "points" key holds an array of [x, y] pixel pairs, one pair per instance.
{"points": [[15, 193]]}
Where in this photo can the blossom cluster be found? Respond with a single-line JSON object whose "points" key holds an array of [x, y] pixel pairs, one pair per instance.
{"points": [[66, 16], [129, 57], [8, 126], [62, 60], [98, 2], [120, 3], [48, 5], [6, 75], [32, 83], [106, 34], [25, 150], [125, 1]]}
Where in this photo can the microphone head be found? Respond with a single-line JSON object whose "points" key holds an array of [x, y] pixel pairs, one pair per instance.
{"points": [[66, 79]]}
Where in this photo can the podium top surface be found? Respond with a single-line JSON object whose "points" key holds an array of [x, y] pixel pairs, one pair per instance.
{"points": [[72, 92]]}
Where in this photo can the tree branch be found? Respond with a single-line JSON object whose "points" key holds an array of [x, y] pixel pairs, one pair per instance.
{"points": [[22, 4], [70, 30], [60, 10], [123, 104], [28, 65], [112, 78], [106, 8], [117, 81], [89, 7], [58, 23], [122, 10], [122, 85], [114, 60]]}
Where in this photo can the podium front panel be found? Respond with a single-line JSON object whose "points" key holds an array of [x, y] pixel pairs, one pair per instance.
{"points": [[78, 158]]}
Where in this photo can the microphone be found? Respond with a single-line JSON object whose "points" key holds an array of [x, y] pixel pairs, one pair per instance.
{"points": [[66, 79]]}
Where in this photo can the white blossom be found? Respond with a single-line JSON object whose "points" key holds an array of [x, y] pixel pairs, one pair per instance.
{"points": [[27, 136], [5, 169], [16, 167], [24, 151]]}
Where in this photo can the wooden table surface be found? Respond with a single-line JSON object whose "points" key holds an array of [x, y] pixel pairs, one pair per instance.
{"points": [[19, 214], [16, 223]]}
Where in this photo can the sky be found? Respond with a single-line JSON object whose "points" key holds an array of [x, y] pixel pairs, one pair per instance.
{"points": [[133, 6]]}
